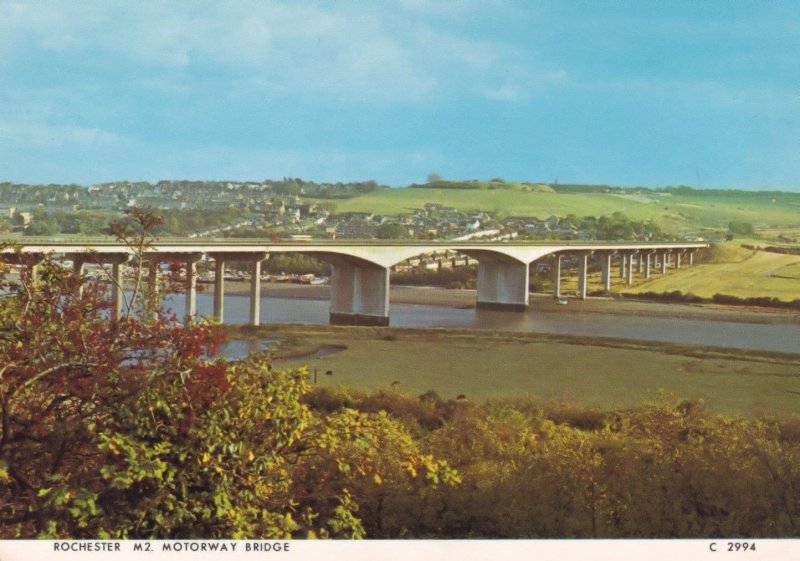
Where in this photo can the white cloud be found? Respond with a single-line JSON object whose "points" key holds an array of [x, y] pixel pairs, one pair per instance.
{"points": [[350, 51]]}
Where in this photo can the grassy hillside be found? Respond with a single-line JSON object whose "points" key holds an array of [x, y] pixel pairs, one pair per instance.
{"points": [[673, 212], [503, 202], [735, 271]]}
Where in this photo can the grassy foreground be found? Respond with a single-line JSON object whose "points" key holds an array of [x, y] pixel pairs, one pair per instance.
{"points": [[598, 372]]}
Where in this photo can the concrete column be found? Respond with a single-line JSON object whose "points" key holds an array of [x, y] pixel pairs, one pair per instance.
{"points": [[647, 262], [502, 284], [639, 263], [623, 262], [153, 270], [663, 263], [359, 293], [691, 258], [629, 271], [605, 270], [32, 262], [191, 289], [116, 260], [556, 276], [117, 295], [78, 262], [219, 288], [191, 260], [255, 292], [583, 261], [34, 273], [28, 261], [678, 260]]}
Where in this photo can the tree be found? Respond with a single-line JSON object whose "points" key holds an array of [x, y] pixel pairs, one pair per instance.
{"points": [[391, 231], [132, 429], [741, 228]]}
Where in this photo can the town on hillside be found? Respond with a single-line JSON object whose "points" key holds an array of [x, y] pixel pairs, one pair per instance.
{"points": [[294, 209]]}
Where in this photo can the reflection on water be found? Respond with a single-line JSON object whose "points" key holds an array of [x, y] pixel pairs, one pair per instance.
{"points": [[240, 348], [769, 337]]}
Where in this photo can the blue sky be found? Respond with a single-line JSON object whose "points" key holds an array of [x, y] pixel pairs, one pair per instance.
{"points": [[649, 93]]}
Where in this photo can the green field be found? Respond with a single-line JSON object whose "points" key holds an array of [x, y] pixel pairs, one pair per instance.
{"points": [[671, 212], [588, 371], [735, 271], [791, 271]]}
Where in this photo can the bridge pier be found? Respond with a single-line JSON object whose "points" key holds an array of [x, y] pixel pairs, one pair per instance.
{"points": [[605, 270], [29, 261], [556, 276], [255, 288], [219, 287], [583, 268], [647, 264], [502, 284], [191, 260], [116, 260], [678, 260], [117, 286], [664, 259], [359, 293], [254, 259], [629, 270], [79, 260]]}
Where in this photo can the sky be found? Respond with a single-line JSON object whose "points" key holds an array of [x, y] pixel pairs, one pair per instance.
{"points": [[634, 93]]}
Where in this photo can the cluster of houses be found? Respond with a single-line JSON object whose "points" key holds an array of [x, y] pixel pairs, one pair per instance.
{"points": [[436, 221], [270, 209]]}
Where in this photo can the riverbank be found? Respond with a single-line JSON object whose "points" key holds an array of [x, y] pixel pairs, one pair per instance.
{"points": [[465, 298], [486, 364]]}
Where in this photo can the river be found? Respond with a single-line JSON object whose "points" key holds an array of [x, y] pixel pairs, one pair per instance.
{"points": [[778, 336]]}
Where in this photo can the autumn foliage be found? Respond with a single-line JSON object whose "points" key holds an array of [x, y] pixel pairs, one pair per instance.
{"points": [[132, 429], [668, 469]]}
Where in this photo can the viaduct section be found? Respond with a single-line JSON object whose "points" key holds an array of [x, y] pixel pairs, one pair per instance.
{"points": [[360, 270]]}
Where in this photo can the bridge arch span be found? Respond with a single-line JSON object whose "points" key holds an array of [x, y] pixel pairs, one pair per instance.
{"points": [[389, 255]]}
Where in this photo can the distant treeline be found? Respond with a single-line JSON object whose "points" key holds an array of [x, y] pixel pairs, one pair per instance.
{"points": [[683, 190], [774, 249], [459, 277], [728, 299]]}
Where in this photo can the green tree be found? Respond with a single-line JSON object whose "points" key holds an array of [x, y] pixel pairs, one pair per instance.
{"points": [[741, 228], [391, 231]]}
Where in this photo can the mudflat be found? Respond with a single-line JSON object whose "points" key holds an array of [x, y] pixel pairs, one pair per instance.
{"points": [[485, 364]]}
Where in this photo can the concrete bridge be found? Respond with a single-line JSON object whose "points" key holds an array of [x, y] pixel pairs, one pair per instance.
{"points": [[360, 270]]}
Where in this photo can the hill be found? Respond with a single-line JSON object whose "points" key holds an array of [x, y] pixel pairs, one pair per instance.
{"points": [[674, 210]]}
